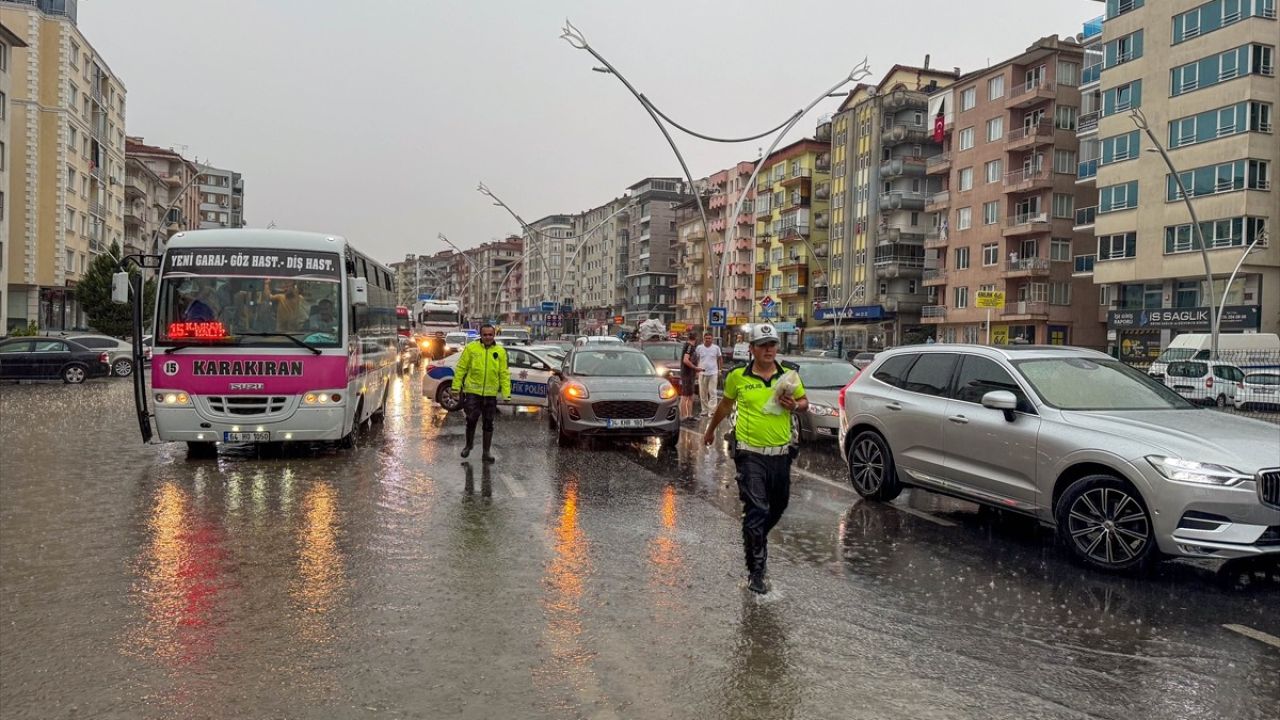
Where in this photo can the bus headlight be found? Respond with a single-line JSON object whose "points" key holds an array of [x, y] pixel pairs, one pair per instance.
{"points": [[321, 398], [173, 398]]}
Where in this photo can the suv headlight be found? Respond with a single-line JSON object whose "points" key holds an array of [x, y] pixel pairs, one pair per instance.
{"points": [[818, 409], [1188, 471]]}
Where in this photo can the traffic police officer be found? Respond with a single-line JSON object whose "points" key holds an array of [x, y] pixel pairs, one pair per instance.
{"points": [[481, 373], [763, 451]]}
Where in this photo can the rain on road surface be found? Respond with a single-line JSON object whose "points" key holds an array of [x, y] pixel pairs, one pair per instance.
{"points": [[599, 582]]}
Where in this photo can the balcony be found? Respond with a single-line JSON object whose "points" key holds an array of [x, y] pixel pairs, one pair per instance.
{"points": [[793, 262], [904, 133], [794, 292], [1026, 224], [793, 233], [1029, 136], [1025, 310], [938, 202], [933, 314], [1091, 74], [133, 215], [1087, 123], [902, 200], [133, 187], [795, 200], [939, 164], [934, 239], [1087, 170], [1092, 28], [97, 208], [1085, 217], [1083, 266], [905, 235], [1027, 267], [763, 209], [762, 267], [1028, 179], [1031, 93], [934, 277], [905, 100], [797, 175], [907, 166]]}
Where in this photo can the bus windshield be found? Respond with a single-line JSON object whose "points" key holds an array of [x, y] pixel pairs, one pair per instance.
{"points": [[232, 297]]}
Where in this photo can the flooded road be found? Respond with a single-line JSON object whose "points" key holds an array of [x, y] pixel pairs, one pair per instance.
{"points": [[603, 581]]}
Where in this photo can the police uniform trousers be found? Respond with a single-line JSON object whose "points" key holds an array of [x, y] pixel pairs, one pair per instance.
{"points": [[478, 407], [764, 485]]}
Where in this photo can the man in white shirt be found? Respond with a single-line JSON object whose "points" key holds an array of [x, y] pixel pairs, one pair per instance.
{"points": [[709, 373]]}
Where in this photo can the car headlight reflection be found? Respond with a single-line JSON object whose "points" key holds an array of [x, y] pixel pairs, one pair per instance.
{"points": [[1189, 471], [823, 410], [576, 392]]}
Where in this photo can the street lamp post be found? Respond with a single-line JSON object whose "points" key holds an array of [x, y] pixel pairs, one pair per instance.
{"points": [[1259, 237], [577, 40], [1140, 120]]}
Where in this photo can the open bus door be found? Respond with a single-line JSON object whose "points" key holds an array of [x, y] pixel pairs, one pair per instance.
{"points": [[127, 287]]}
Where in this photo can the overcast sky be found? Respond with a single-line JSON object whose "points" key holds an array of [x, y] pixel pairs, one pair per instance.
{"points": [[376, 119]]}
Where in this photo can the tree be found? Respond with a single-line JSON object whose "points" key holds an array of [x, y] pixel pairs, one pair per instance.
{"points": [[94, 293]]}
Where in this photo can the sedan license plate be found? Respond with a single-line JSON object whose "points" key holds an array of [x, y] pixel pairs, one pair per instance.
{"points": [[625, 423], [246, 437]]}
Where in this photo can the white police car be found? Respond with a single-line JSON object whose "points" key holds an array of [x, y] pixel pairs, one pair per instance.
{"points": [[530, 368]]}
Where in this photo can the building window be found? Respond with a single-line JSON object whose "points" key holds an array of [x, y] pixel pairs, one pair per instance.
{"points": [[1216, 15], [1116, 8], [1222, 178], [1122, 50], [1119, 148], [995, 129], [964, 218], [965, 179], [1117, 247], [1244, 60], [1064, 205], [1241, 117], [962, 258], [991, 212], [1064, 161], [990, 254], [1118, 197], [968, 98], [1068, 73], [962, 298], [1060, 250], [1228, 232], [966, 138], [993, 170], [1065, 117], [1122, 98], [995, 88], [1059, 293]]}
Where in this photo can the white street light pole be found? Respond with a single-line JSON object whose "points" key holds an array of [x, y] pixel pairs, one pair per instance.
{"points": [[576, 39], [1259, 237], [1140, 120]]}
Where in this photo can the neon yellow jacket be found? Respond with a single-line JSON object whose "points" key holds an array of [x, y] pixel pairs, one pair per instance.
{"points": [[482, 371]]}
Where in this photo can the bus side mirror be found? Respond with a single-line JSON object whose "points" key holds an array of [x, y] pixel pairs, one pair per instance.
{"points": [[358, 289], [120, 288]]}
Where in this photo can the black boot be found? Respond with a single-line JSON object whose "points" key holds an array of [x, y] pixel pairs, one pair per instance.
{"points": [[471, 440], [756, 583], [488, 442]]}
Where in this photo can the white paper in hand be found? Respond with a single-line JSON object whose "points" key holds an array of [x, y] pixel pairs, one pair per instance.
{"points": [[785, 387]]}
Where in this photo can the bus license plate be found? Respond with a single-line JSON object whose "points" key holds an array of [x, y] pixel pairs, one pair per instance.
{"points": [[628, 423], [246, 437]]}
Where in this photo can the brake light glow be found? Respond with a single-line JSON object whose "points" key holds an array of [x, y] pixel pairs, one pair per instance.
{"points": [[207, 330], [1208, 382], [843, 390], [104, 358]]}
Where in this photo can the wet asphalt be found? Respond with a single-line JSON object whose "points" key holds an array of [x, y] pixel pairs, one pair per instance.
{"points": [[603, 581]]}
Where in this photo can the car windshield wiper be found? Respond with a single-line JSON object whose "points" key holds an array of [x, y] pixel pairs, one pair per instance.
{"points": [[294, 340]]}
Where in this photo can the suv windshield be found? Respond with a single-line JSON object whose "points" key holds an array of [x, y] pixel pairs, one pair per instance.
{"points": [[1077, 383], [826, 375], [612, 363]]}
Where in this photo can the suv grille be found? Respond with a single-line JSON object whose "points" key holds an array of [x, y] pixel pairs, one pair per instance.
{"points": [[246, 405], [1269, 487], [624, 409]]}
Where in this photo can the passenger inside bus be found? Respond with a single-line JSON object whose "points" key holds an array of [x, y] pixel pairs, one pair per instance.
{"points": [[199, 303], [322, 317], [290, 313]]}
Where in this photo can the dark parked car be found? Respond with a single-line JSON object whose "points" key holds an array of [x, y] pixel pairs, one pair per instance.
{"points": [[38, 358]]}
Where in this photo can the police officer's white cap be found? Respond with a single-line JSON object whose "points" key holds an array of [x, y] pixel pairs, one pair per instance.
{"points": [[763, 333]]}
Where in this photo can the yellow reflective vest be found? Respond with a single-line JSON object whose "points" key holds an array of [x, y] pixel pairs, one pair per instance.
{"points": [[482, 371]]}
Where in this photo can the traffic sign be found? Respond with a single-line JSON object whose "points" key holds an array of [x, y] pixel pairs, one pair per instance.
{"points": [[766, 302], [716, 317], [618, 319], [990, 299], [548, 306], [739, 320], [425, 296], [677, 327]]}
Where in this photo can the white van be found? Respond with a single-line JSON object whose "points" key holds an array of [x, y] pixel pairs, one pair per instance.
{"points": [[1248, 351]]}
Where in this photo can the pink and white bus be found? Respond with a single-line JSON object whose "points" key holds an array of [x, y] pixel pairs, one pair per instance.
{"points": [[265, 336]]}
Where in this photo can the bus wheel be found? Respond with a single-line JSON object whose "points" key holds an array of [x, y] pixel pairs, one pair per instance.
{"points": [[381, 413], [198, 450]]}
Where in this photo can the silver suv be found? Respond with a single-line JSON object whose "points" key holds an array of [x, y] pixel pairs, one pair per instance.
{"points": [[1121, 465]]}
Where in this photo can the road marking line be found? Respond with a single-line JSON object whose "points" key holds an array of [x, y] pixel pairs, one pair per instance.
{"points": [[923, 515], [1258, 635], [826, 481], [513, 486]]}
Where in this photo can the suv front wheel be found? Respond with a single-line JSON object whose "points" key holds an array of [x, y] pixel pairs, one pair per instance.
{"points": [[1105, 523], [871, 469]]}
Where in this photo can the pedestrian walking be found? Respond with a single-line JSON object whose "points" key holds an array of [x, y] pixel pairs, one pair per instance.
{"points": [[709, 356], [480, 375], [688, 376], [762, 449]]}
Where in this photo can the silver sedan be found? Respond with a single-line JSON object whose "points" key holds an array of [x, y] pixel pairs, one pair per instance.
{"points": [[611, 390]]}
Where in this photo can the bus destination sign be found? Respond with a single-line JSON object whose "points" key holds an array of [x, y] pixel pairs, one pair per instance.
{"points": [[254, 262]]}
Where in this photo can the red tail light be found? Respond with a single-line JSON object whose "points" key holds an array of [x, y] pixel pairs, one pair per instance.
{"points": [[843, 390], [104, 358], [1208, 382]]}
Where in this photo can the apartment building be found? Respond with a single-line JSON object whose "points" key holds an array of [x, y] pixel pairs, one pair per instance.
{"points": [[179, 176], [8, 43], [600, 291], [547, 277], [694, 286], [706, 277], [65, 150], [652, 254], [146, 202], [489, 264], [1203, 75], [221, 198], [791, 235], [882, 143], [1009, 198]]}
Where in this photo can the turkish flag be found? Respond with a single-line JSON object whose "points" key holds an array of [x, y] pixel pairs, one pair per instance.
{"points": [[939, 122]]}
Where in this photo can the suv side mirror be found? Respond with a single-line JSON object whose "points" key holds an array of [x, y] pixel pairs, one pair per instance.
{"points": [[1001, 400]]}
